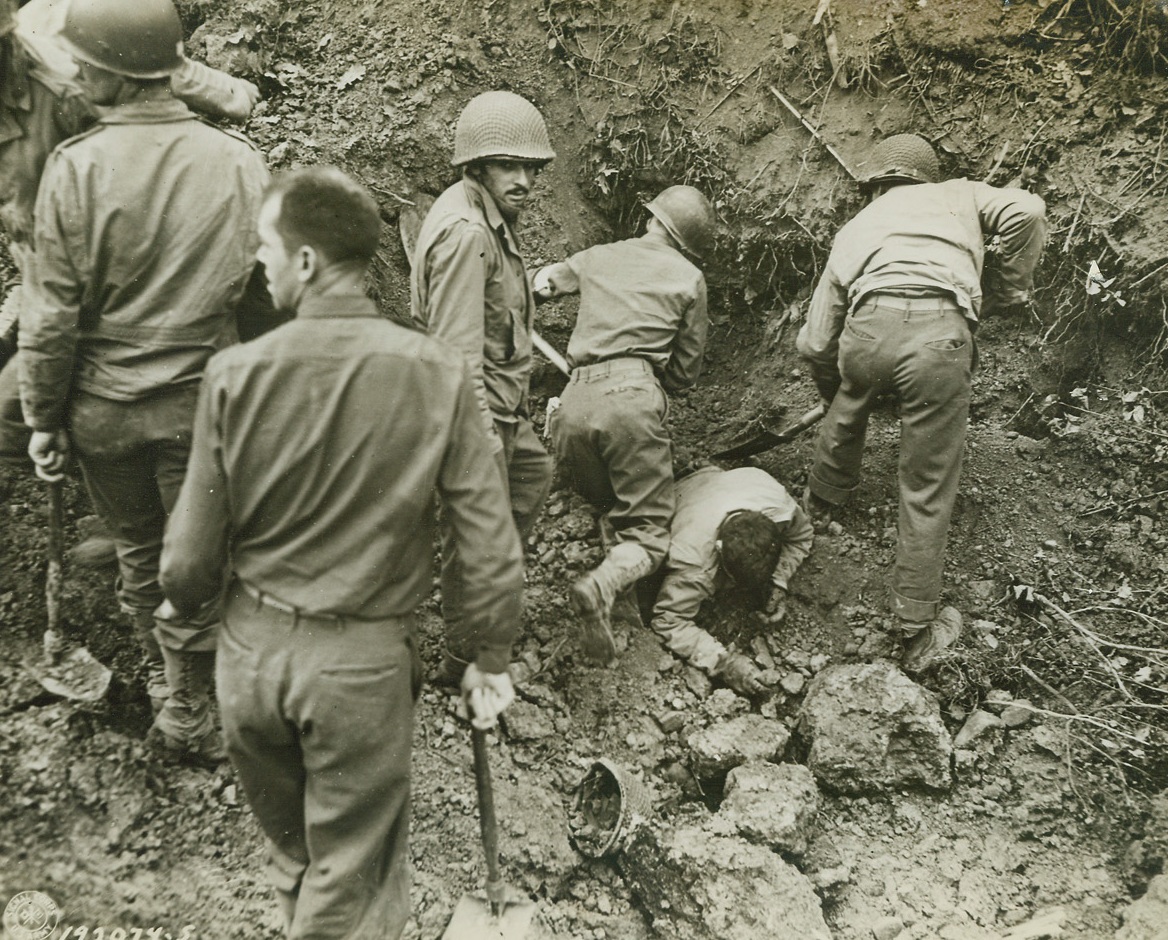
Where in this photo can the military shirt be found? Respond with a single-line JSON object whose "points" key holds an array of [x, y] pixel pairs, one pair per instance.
{"points": [[642, 298], [317, 452], [145, 239], [470, 289]]}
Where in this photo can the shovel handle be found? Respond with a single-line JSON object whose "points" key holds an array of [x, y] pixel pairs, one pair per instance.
{"points": [[488, 824], [56, 551]]}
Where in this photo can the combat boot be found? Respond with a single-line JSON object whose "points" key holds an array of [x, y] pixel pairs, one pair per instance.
{"points": [[593, 595], [157, 689], [185, 727], [926, 644]]}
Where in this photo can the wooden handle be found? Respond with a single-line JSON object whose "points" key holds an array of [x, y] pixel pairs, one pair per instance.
{"points": [[488, 825], [53, 576]]}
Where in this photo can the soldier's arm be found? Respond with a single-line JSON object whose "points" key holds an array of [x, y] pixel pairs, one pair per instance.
{"points": [[689, 346], [479, 514], [195, 547], [818, 340], [456, 278], [214, 93], [1018, 217], [52, 293], [798, 535]]}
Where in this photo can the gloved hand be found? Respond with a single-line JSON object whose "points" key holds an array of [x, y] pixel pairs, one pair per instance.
{"points": [[485, 696], [49, 451]]}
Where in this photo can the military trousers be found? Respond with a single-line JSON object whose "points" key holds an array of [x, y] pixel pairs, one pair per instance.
{"points": [[920, 351]]}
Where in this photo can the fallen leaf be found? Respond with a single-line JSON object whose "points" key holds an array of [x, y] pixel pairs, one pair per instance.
{"points": [[352, 74]]}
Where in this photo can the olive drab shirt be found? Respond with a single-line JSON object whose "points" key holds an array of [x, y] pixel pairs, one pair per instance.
{"points": [[639, 297], [704, 499], [145, 239], [317, 452], [928, 236], [470, 289]]}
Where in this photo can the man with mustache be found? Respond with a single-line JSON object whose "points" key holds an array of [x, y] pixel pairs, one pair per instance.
{"points": [[470, 288]]}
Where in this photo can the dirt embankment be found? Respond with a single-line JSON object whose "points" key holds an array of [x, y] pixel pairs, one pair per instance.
{"points": [[1057, 556]]}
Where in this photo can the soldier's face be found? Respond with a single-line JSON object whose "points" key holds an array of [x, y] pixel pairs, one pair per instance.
{"points": [[510, 183], [98, 85]]}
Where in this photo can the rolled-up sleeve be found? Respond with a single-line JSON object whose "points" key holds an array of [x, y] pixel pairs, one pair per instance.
{"points": [[195, 547], [478, 512], [818, 340], [53, 289], [798, 536], [213, 92]]}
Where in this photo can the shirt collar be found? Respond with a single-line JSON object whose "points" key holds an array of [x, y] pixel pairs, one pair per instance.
{"points": [[485, 201], [325, 306], [157, 111]]}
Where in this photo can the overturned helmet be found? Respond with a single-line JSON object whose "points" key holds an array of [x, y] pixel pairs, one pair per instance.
{"points": [[501, 125], [688, 216], [902, 158], [136, 38]]}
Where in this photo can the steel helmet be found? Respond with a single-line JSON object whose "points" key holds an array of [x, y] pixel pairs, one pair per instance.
{"points": [[501, 124], [688, 216], [902, 158], [136, 38]]}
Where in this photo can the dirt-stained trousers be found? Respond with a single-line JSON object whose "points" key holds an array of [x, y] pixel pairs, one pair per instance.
{"points": [[318, 720], [920, 350], [612, 447]]}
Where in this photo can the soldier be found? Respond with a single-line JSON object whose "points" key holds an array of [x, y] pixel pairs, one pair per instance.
{"points": [[317, 452], [145, 240], [640, 333], [737, 527], [894, 314], [470, 289]]}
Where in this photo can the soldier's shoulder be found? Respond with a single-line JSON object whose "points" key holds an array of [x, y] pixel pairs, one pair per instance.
{"points": [[78, 139], [231, 132]]}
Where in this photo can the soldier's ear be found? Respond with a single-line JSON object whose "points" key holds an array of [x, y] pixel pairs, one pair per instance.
{"points": [[307, 263]]}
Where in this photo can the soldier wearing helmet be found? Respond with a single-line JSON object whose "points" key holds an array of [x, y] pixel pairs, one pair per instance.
{"points": [[145, 239], [893, 314], [470, 289], [640, 333]]}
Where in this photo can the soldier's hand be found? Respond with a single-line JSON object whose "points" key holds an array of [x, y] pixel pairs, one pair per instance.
{"points": [[49, 451], [485, 695], [776, 607]]}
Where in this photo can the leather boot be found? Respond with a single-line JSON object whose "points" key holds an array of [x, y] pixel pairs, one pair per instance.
{"points": [[593, 595], [925, 645], [185, 728], [157, 689]]}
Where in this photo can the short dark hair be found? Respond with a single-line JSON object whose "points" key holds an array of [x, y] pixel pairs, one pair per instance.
{"points": [[327, 210], [750, 549]]}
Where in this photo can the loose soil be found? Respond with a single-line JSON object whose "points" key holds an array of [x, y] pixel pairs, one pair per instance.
{"points": [[1064, 483]]}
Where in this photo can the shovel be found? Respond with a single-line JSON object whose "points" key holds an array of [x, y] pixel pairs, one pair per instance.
{"points": [[77, 674], [766, 438], [502, 915], [409, 224]]}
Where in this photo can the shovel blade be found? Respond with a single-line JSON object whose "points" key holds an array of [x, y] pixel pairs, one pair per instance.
{"points": [[473, 920], [76, 675]]}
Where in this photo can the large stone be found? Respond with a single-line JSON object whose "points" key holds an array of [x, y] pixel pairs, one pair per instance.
{"points": [[700, 886], [1147, 918], [772, 804], [870, 727], [721, 747]]}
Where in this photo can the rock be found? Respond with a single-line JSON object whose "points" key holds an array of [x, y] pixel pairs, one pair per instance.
{"points": [[527, 722], [724, 703], [696, 681], [983, 590], [976, 726], [823, 864], [671, 721], [1018, 713], [886, 928], [772, 804], [723, 746], [698, 886], [996, 700], [793, 683], [870, 727]]}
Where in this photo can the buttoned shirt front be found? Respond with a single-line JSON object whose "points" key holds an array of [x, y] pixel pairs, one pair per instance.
{"points": [[317, 452], [146, 237], [470, 289], [641, 298]]}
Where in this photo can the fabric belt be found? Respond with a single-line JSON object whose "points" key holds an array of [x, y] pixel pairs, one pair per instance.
{"points": [[299, 614], [922, 303], [621, 365]]}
